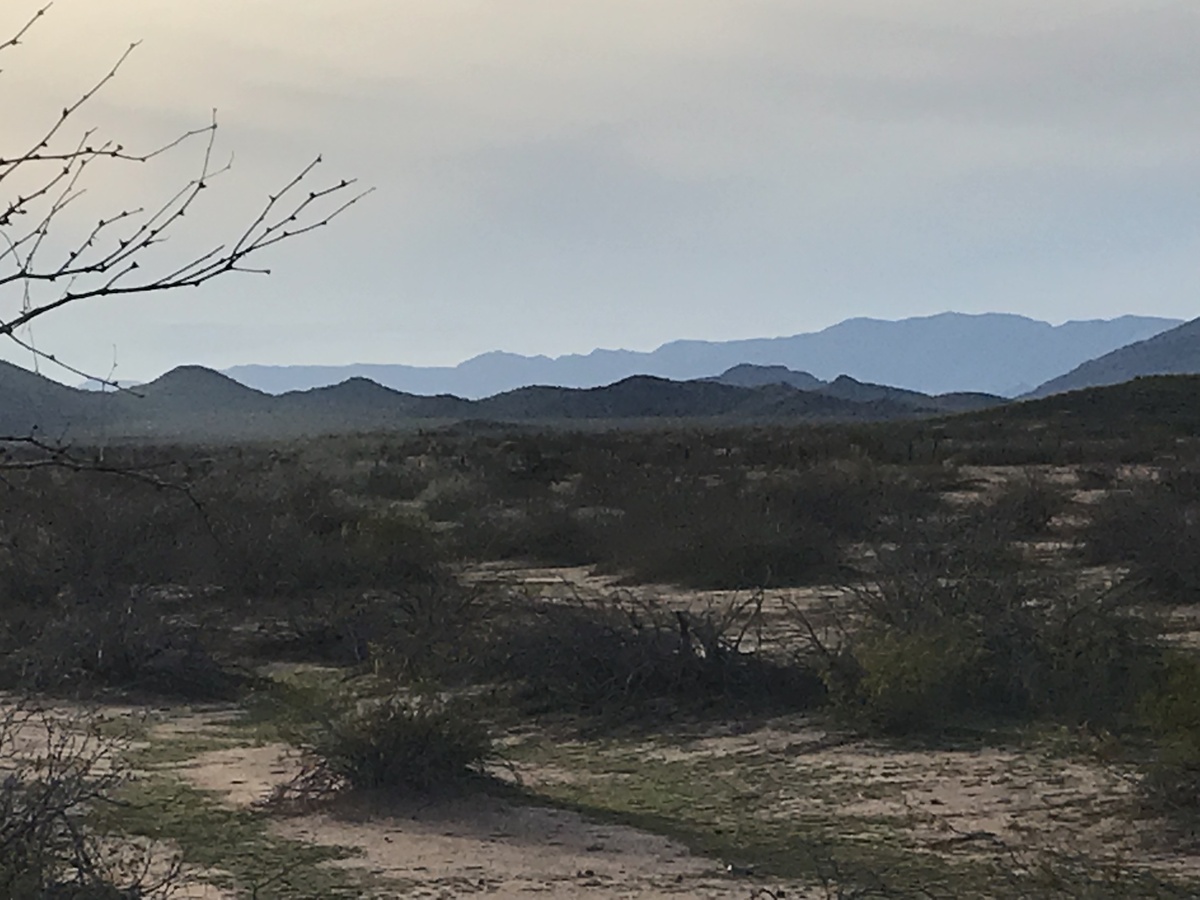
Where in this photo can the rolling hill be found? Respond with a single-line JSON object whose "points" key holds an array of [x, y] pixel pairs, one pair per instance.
{"points": [[197, 404]]}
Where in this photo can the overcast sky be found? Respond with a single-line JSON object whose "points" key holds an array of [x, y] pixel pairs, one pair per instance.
{"points": [[558, 175]]}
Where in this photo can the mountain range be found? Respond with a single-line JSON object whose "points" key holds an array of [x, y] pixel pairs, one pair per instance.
{"points": [[993, 353], [194, 403]]}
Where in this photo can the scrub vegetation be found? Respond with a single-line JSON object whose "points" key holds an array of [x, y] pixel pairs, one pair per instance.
{"points": [[478, 607]]}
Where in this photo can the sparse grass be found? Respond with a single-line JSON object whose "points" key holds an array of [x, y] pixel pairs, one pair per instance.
{"points": [[232, 848], [782, 818]]}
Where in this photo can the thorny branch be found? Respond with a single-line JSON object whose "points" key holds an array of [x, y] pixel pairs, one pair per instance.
{"points": [[111, 259], [42, 270]]}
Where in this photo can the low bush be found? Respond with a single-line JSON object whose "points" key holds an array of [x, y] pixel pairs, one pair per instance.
{"points": [[727, 530], [305, 537], [1172, 711], [1028, 504], [412, 744]]}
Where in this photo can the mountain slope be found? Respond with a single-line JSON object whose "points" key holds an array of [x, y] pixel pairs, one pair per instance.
{"points": [[991, 353], [1174, 352], [31, 402]]}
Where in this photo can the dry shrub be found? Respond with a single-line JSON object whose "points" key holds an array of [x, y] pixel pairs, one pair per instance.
{"points": [[621, 658], [116, 641], [1028, 504], [1153, 528], [56, 772]]}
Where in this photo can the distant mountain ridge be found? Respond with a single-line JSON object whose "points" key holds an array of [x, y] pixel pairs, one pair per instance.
{"points": [[1173, 352], [194, 403], [846, 388], [993, 353]]}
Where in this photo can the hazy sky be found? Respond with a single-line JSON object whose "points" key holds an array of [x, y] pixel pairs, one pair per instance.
{"points": [[557, 175]]}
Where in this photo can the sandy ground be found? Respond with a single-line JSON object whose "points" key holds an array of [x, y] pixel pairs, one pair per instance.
{"points": [[478, 845], [980, 802]]}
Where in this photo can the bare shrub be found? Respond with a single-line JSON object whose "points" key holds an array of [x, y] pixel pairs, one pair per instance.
{"points": [[623, 658], [1028, 504], [71, 645], [56, 772]]}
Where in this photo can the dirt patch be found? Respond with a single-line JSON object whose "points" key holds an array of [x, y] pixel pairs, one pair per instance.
{"points": [[482, 845], [477, 844], [241, 776]]}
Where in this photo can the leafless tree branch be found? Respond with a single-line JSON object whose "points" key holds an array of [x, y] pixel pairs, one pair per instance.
{"points": [[112, 259]]}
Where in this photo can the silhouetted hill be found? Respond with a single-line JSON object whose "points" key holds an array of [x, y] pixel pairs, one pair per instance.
{"points": [[1147, 407], [846, 388], [192, 403], [647, 397], [991, 353], [30, 402], [359, 404], [750, 375], [1174, 352]]}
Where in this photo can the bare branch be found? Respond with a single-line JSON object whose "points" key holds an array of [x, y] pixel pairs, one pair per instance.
{"points": [[113, 257]]}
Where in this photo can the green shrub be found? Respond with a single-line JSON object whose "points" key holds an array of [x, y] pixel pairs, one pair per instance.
{"points": [[418, 744], [1172, 710], [906, 682]]}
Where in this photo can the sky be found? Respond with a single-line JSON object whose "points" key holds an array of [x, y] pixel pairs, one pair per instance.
{"points": [[551, 176]]}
